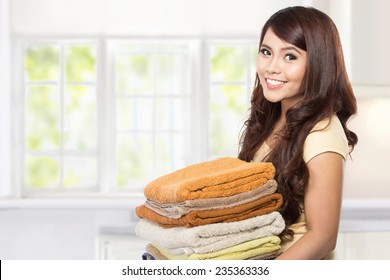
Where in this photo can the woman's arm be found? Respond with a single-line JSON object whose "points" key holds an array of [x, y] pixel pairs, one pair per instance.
{"points": [[322, 205]]}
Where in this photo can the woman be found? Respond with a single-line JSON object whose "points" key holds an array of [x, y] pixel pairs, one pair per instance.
{"points": [[300, 107]]}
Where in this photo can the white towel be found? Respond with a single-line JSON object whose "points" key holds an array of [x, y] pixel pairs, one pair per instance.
{"points": [[211, 237]]}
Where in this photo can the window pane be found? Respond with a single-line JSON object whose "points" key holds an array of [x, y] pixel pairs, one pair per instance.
{"points": [[228, 63], [80, 172], [169, 153], [227, 108], [41, 63], [164, 151], [171, 113], [80, 118], [42, 172], [134, 160], [133, 74], [42, 118], [170, 79], [80, 63], [134, 114]]}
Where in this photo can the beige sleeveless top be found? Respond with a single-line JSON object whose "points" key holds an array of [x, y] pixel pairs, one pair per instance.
{"points": [[326, 136]]}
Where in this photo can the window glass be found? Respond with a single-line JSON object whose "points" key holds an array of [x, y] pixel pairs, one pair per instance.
{"points": [[134, 160], [228, 63], [80, 61], [133, 74], [42, 118], [80, 118], [80, 172], [232, 76], [227, 109], [42, 63], [42, 172]]}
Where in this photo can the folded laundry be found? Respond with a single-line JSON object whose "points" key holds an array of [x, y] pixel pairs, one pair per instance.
{"points": [[262, 206], [267, 256], [178, 209], [154, 254], [221, 177], [212, 237], [241, 251]]}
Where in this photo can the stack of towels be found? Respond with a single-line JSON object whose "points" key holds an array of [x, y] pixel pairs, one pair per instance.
{"points": [[220, 209]]}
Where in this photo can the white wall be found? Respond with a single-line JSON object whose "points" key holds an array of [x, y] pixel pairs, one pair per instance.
{"points": [[370, 41], [37, 233], [367, 173], [143, 18]]}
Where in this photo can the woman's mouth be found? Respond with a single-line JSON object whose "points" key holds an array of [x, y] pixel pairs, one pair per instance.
{"points": [[273, 84]]}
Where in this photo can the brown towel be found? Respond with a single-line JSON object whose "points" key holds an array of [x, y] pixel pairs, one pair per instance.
{"points": [[217, 178], [178, 209], [264, 205]]}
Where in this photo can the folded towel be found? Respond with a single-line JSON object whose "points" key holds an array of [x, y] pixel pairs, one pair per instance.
{"points": [[269, 256], [154, 253], [150, 249], [212, 237], [217, 178], [178, 209], [241, 251], [262, 206]]}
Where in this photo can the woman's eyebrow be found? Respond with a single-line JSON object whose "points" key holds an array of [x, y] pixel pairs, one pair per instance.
{"points": [[283, 49], [291, 48]]}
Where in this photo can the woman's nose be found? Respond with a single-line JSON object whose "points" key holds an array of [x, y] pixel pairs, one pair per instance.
{"points": [[273, 66]]}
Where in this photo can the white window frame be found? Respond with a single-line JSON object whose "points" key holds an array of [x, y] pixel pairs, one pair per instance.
{"points": [[18, 113]]}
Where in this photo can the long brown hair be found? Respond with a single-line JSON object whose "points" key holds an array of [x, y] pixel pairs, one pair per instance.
{"points": [[326, 90]]}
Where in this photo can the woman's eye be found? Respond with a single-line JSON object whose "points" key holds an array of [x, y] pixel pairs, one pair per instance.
{"points": [[290, 57], [265, 52]]}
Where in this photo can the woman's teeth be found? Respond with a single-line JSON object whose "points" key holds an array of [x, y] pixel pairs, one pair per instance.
{"points": [[274, 82]]}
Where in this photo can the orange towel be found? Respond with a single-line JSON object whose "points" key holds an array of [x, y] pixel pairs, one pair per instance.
{"points": [[264, 205], [217, 178]]}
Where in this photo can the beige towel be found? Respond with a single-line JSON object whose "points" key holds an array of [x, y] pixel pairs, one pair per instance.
{"points": [[154, 252], [217, 178], [262, 206], [212, 237], [178, 209]]}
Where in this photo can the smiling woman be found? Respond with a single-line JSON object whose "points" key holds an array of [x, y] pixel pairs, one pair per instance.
{"points": [[300, 106], [281, 67], [216, 74]]}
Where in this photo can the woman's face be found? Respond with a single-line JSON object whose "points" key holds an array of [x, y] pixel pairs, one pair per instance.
{"points": [[281, 67]]}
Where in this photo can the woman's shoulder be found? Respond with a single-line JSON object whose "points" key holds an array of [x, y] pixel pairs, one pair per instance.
{"points": [[326, 136], [328, 124]]}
